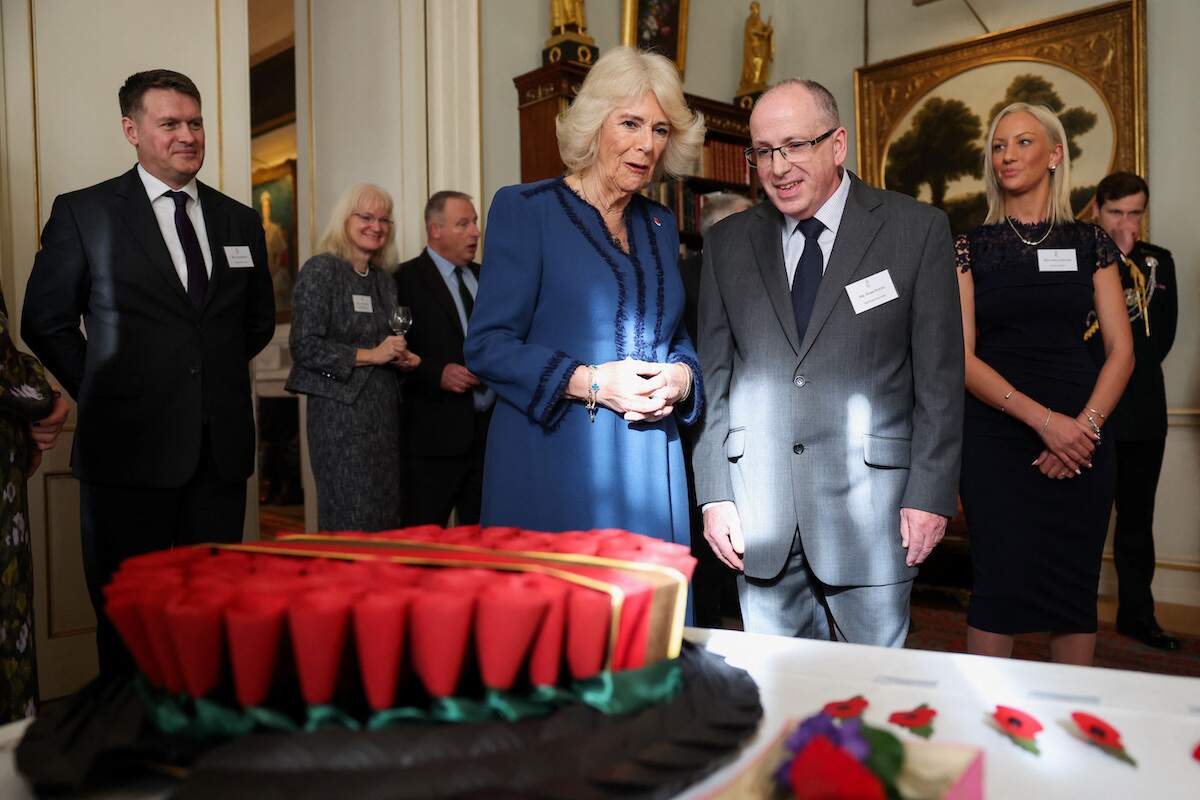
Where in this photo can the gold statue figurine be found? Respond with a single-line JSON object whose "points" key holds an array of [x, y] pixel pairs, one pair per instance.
{"points": [[569, 40], [758, 51]]}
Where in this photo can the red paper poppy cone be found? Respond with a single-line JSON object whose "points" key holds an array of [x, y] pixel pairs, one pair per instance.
{"points": [[545, 660], [506, 621], [588, 615], [152, 606], [318, 620], [198, 636], [253, 624], [440, 628], [380, 619], [822, 771], [123, 612]]}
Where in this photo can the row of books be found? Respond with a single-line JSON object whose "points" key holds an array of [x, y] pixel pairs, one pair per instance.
{"points": [[684, 200], [723, 161]]}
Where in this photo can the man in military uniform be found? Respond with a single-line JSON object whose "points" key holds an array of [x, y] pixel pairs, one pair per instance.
{"points": [[1139, 422]]}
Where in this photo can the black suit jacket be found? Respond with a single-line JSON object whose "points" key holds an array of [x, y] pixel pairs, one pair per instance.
{"points": [[1141, 413], [152, 369], [437, 422]]}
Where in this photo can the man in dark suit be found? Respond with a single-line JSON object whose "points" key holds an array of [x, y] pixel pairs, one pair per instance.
{"points": [[831, 346], [1139, 421], [171, 280], [446, 408]]}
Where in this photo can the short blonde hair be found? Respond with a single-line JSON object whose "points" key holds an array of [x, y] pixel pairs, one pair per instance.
{"points": [[360, 195], [1060, 179], [621, 75]]}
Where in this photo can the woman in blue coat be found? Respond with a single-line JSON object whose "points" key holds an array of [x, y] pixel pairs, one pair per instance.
{"points": [[578, 322]]}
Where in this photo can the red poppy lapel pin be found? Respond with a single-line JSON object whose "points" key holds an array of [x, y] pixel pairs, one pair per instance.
{"points": [[919, 721], [1099, 733], [658, 222], [1196, 753], [1019, 727], [846, 709]]}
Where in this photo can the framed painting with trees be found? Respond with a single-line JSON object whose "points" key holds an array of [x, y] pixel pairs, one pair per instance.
{"points": [[922, 119]]}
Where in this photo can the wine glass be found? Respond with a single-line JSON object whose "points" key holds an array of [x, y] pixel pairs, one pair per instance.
{"points": [[400, 320]]}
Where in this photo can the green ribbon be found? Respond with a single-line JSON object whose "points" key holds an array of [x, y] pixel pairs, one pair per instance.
{"points": [[608, 692]]}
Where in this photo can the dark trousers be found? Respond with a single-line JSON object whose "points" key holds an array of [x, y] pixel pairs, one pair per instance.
{"points": [[122, 521], [435, 486], [1138, 468]]}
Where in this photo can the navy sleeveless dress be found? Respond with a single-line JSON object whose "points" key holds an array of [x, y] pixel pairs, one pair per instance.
{"points": [[1036, 542]]}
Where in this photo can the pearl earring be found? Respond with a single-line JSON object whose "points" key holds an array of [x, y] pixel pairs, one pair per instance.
{"points": [[1052, 168]]}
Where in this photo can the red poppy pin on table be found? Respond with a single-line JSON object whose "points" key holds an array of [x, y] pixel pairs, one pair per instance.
{"points": [[1018, 726], [847, 709], [1099, 733], [919, 721]]}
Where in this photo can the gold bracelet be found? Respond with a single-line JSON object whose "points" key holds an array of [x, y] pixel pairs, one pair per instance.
{"points": [[1092, 421], [1097, 413], [1046, 424], [687, 388]]}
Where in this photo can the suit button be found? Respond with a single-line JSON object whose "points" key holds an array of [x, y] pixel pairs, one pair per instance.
{"points": [[194, 371], [800, 381], [797, 448]]}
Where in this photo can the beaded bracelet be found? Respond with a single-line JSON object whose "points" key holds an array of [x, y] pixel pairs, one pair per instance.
{"points": [[593, 388]]}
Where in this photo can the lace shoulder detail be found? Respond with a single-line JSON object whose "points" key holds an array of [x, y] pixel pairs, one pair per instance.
{"points": [[1107, 252], [962, 252]]}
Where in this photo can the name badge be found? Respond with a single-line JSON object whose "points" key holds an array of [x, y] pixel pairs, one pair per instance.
{"points": [[239, 257], [362, 303], [1057, 261], [871, 291]]}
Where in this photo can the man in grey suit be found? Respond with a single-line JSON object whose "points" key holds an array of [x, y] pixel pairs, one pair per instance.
{"points": [[827, 464]]}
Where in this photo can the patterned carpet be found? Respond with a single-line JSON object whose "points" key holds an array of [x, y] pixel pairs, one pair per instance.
{"points": [[939, 622]]}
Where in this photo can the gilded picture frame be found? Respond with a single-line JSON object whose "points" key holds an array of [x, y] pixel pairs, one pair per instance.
{"points": [[1089, 66], [658, 25], [273, 191]]}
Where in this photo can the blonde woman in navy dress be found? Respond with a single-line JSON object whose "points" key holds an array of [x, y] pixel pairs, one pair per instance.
{"points": [[1038, 474], [578, 324]]}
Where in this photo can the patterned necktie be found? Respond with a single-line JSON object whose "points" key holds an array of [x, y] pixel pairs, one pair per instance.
{"points": [[464, 293], [197, 275], [809, 270]]}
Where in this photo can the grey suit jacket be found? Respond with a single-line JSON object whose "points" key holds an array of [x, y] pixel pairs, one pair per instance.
{"points": [[833, 434]]}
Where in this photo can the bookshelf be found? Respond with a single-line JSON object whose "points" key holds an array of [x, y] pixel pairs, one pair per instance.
{"points": [[546, 91]]}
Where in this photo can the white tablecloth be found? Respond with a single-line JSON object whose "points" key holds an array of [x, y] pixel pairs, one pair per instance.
{"points": [[1158, 716]]}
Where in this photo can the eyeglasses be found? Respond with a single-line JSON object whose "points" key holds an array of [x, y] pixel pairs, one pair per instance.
{"points": [[795, 152], [371, 219]]}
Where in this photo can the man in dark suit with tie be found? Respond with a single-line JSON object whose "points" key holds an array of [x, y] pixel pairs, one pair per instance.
{"points": [[447, 409], [171, 280], [830, 342]]}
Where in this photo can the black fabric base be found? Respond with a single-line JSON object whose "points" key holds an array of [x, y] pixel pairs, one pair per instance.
{"points": [[102, 736]]}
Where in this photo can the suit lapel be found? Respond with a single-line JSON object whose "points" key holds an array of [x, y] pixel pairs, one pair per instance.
{"points": [[440, 292], [855, 233], [216, 228], [767, 243], [139, 216]]}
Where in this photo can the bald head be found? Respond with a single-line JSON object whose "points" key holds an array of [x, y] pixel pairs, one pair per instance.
{"points": [[823, 100]]}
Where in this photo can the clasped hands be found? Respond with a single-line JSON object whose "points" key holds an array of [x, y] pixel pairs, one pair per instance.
{"points": [[641, 391], [1070, 444], [394, 350]]}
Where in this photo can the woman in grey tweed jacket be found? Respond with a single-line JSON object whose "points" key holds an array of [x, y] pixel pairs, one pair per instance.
{"points": [[346, 360]]}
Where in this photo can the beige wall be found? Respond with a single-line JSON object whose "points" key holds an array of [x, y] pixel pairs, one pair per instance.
{"points": [[61, 131]]}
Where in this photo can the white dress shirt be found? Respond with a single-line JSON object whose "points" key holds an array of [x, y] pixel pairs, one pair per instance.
{"points": [[164, 211], [830, 215]]}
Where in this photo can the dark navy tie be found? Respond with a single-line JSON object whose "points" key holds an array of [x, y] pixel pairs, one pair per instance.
{"points": [[197, 275], [809, 270], [464, 293]]}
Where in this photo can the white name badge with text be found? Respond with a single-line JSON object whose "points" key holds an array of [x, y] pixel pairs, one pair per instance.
{"points": [[362, 303], [238, 257], [1057, 261], [871, 291]]}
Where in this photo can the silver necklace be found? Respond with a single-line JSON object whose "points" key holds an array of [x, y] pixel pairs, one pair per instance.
{"points": [[1023, 239]]}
